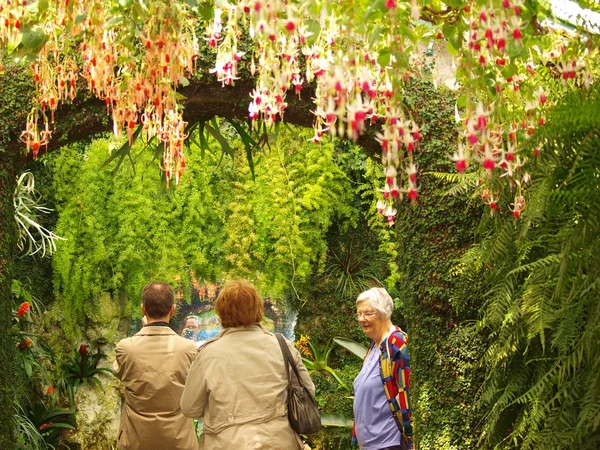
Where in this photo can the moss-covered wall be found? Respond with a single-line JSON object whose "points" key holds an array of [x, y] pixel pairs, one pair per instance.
{"points": [[432, 235], [13, 86]]}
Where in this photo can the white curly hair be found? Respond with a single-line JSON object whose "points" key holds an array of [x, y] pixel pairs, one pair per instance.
{"points": [[379, 299]]}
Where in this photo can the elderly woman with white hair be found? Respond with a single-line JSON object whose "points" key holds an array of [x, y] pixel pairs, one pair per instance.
{"points": [[382, 416]]}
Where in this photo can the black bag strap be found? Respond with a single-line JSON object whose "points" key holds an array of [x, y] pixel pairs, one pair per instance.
{"points": [[288, 359]]}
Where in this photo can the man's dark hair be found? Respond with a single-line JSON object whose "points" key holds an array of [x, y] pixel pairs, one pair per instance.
{"points": [[157, 299]]}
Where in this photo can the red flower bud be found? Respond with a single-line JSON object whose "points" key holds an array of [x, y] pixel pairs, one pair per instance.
{"points": [[83, 349]]}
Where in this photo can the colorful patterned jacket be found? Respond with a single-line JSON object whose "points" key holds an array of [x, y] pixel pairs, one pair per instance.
{"points": [[395, 376]]}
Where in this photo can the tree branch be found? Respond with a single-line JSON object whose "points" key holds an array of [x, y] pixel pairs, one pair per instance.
{"points": [[204, 100]]}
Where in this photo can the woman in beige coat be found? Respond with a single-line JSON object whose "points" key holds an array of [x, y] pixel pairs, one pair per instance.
{"points": [[238, 381]]}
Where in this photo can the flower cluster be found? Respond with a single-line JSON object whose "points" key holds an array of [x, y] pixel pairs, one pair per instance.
{"points": [[358, 71], [495, 127], [302, 345]]}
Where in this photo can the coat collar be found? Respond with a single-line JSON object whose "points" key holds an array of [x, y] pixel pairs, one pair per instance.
{"points": [[253, 327], [155, 331]]}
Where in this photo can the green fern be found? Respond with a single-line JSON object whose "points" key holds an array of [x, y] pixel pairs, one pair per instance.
{"points": [[542, 315]]}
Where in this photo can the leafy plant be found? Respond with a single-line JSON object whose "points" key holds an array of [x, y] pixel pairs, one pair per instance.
{"points": [[28, 435], [51, 422], [354, 267], [317, 359], [27, 211], [542, 315], [81, 368]]}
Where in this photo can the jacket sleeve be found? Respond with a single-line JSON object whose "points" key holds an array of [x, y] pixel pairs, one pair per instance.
{"points": [[119, 364], [401, 362], [195, 393]]}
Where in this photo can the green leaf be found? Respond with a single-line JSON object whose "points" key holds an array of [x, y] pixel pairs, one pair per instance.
{"points": [[192, 3], [214, 130], [116, 20], [461, 102], [249, 143], [352, 346], [313, 27], [13, 42], [376, 11], [336, 420], [28, 368], [42, 6], [337, 378], [184, 81], [384, 57], [123, 152], [206, 11], [452, 45]]}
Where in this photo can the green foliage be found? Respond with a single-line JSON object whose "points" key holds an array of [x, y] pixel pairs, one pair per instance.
{"points": [[542, 315], [81, 368], [317, 359], [121, 233], [431, 236], [50, 422], [352, 346], [219, 222], [331, 398]]}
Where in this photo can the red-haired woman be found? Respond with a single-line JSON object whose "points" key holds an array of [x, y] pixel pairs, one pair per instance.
{"points": [[238, 381]]}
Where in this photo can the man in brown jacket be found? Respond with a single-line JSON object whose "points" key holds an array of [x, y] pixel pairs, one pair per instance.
{"points": [[153, 365]]}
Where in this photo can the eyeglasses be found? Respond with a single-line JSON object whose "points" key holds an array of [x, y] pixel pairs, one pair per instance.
{"points": [[366, 315]]}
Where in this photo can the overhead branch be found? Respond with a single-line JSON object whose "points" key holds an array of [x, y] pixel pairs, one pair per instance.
{"points": [[204, 100]]}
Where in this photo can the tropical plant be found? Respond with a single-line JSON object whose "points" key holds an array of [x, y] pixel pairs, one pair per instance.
{"points": [[355, 267], [28, 435], [27, 214], [542, 314], [81, 368], [317, 359], [50, 422]]}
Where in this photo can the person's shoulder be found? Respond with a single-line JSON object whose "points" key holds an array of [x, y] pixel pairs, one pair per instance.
{"points": [[398, 338], [184, 343], [124, 344]]}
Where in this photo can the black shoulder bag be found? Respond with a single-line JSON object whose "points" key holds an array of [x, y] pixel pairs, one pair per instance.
{"points": [[303, 412]]}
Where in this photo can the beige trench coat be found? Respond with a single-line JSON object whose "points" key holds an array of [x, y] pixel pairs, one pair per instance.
{"points": [[238, 385], [153, 366]]}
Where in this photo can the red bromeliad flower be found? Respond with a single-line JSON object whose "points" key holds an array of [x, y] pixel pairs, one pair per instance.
{"points": [[83, 349], [23, 309]]}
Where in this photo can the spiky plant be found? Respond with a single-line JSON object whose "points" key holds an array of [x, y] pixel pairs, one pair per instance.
{"points": [[33, 237]]}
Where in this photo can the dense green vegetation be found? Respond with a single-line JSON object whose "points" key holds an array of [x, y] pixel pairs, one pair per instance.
{"points": [[541, 313]]}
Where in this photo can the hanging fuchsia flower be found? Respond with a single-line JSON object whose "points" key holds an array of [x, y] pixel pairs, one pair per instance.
{"points": [[518, 206], [460, 159], [389, 214]]}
